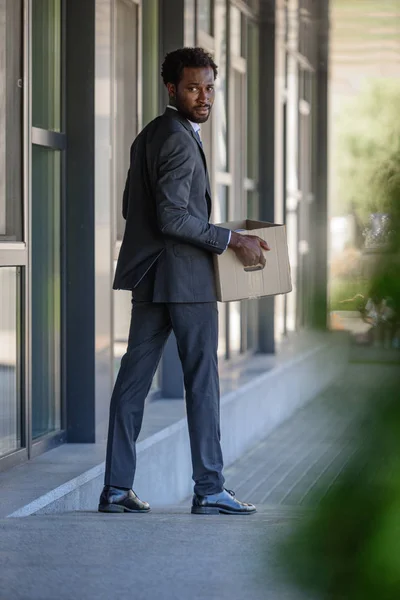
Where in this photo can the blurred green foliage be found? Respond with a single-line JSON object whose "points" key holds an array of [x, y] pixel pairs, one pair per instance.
{"points": [[368, 136], [348, 295], [349, 547]]}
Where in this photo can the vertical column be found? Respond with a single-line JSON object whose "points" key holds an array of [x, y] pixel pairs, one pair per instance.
{"points": [[79, 217], [320, 226], [266, 329]]}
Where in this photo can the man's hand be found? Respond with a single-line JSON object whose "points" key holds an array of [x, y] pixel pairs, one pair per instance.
{"points": [[248, 249]]}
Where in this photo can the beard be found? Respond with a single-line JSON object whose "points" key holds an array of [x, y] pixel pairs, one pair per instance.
{"points": [[190, 112]]}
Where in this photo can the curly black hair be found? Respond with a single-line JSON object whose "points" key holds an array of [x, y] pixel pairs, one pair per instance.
{"points": [[176, 61]]}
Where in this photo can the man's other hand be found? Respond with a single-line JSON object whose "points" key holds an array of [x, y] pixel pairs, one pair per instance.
{"points": [[248, 249]]}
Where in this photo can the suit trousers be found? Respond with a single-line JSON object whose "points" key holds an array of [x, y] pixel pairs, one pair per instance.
{"points": [[196, 329]]}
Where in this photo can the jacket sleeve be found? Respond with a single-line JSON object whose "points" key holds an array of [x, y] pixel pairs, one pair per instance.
{"points": [[175, 172]]}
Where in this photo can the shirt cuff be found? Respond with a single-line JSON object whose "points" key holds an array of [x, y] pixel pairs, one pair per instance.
{"points": [[229, 239]]}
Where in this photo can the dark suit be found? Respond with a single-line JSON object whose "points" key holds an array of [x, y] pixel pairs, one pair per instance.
{"points": [[166, 260]]}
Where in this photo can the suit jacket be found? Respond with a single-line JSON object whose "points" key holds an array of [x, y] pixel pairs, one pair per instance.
{"points": [[168, 241]]}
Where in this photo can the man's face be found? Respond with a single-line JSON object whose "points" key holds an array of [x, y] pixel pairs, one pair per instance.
{"points": [[194, 94]]}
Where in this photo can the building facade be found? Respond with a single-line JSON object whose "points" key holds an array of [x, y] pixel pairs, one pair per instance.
{"points": [[78, 81]]}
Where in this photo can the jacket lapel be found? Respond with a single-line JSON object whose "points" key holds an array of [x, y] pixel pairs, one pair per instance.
{"points": [[208, 185], [175, 114]]}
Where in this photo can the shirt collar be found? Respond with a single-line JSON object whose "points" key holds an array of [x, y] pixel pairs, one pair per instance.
{"points": [[196, 126]]}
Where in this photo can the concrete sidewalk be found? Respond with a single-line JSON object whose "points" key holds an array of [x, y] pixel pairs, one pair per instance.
{"points": [[172, 555], [167, 555]]}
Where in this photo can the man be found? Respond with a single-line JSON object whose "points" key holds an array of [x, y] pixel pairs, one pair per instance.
{"points": [[166, 260]]}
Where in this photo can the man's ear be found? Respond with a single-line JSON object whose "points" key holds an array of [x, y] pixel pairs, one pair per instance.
{"points": [[171, 87]]}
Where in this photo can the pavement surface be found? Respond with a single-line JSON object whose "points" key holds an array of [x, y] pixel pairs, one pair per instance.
{"points": [[173, 555], [165, 555]]}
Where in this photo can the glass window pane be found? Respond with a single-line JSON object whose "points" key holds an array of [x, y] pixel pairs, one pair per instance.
{"points": [[252, 324], [253, 204], [125, 94], [46, 320], [10, 402], [220, 104], [253, 80], [150, 58], [243, 41], [10, 120], [238, 136], [205, 16], [222, 333], [291, 230], [220, 204], [46, 64], [254, 4], [236, 31], [234, 326]]}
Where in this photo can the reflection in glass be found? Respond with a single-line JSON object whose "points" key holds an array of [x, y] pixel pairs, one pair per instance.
{"points": [[46, 169], [10, 403], [10, 120], [46, 64]]}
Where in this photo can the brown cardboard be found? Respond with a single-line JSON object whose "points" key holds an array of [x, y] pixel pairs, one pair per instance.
{"points": [[234, 282]]}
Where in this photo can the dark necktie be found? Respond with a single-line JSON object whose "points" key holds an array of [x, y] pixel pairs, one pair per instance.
{"points": [[196, 133]]}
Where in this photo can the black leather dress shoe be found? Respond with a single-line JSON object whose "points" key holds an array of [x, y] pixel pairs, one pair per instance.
{"points": [[114, 500], [224, 502]]}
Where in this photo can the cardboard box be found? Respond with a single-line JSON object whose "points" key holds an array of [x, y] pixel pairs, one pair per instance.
{"points": [[236, 282]]}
